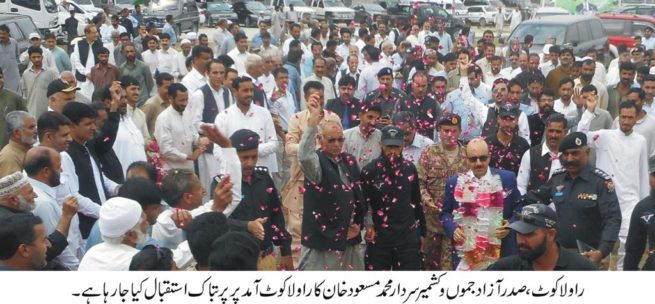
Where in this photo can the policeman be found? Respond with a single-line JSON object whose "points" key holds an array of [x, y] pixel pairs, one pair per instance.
{"points": [[536, 235], [386, 96], [588, 212], [260, 203], [642, 229], [391, 187]]}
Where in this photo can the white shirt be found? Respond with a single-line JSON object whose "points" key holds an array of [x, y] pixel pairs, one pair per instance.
{"points": [[523, 178], [166, 60], [268, 82], [69, 186], [569, 111], [83, 68], [176, 136], [284, 107], [285, 46], [490, 78], [218, 36], [108, 257], [129, 145], [196, 105], [50, 211], [258, 120], [547, 66], [413, 152], [600, 74], [338, 77], [194, 80], [364, 149], [343, 50], [151, 60], [179, 66], [166, 232], [645, 127], [603, 97], [106, 29], [48, 60], [368, 79], [625, 159], [239, 60], [480, 110]]}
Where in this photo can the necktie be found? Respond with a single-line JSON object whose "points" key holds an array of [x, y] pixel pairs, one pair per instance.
{"points": [[345, 121]]}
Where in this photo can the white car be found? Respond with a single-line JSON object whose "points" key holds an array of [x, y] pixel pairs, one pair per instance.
{"points": [[549, 11], [86, 5], [82, 15], [333, 10], [299, 6], [482, 15]]}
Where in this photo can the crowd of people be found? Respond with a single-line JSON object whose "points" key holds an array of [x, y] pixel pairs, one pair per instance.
{"points": [[314, 146]]}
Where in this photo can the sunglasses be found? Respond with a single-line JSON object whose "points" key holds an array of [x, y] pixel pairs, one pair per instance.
{"points": [[474, 159], [333, 140]]}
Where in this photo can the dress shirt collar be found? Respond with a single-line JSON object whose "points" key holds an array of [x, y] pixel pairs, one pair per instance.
{"points": [[196, 75], [487, 176], [545, 150], [43, 187]]}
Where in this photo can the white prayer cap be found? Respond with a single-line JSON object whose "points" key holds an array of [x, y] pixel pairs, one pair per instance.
{"points": [[192, 36], [33, 36], [187, 41], [12, 183], [118, 215]]}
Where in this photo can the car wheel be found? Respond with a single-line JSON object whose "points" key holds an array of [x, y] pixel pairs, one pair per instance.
{"points": [[483, 22]]}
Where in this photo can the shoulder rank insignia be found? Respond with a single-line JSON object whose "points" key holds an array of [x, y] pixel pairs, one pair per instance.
{"points": [[261, 169], [602, 174]]}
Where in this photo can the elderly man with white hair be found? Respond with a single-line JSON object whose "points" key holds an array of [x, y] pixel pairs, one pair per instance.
{"points": [[179, 60], [254, 70], [17, 197], [123, 226], [21, 127]]}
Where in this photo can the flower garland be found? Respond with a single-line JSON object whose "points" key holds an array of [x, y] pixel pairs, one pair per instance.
{"points": [[155, 159], [479, 215]]}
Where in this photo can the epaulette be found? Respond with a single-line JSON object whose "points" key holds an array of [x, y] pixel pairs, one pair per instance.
{"points": [[261, 169], [602, 174]]}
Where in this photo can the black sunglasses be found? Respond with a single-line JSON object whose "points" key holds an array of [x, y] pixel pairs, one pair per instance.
{"points": [[474, 159]]}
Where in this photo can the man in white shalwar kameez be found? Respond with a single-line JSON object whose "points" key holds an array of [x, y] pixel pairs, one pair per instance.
{"points": [[628, 167]]}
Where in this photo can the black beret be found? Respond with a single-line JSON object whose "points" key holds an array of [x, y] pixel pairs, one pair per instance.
{"points": [[450, 120], [385, 71], [244, 139], [573, 141]]}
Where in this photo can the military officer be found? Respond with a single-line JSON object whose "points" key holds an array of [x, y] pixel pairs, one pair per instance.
{"points": [[588, 212]]}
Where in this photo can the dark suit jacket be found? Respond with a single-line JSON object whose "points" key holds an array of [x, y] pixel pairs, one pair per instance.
{"points": [[337, 106], [512, 206]]}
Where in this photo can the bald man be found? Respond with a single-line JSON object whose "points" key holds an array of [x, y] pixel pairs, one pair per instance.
{"points": [[477, 159]]}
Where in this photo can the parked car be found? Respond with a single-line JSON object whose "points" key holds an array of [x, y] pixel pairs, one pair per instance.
{"points": [[185, 13], [368, 12], [20, 27], [549, 11], [527, 7], [482, 15], [82, 16], [637, 9], [579, 32], [250, 12], [404, 12], [86, 5], [43, 13], [621, 28], [456, 8], [298, 6], [333, 10], [495, 4], [220, 10]]}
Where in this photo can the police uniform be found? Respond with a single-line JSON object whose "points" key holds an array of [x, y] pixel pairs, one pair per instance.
{"points": [[642, 231], [587, 207], [389, 105], [260, 199]]}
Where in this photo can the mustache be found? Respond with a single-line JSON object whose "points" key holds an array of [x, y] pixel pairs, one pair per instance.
{"points": [[573, 163]]}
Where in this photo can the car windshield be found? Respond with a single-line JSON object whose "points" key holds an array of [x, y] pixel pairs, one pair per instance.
{"points": [[540, 32], [218, 6], [158, 4], [132, 1], [255, 5], [333, 4], [460, 6], [297, 3], [50, 6], [373, 7], [548, 14]]}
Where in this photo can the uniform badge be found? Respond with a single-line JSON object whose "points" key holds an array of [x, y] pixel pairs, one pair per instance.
{"points": [[647, 218], [578, 142], [559, 190], [610, 186]]}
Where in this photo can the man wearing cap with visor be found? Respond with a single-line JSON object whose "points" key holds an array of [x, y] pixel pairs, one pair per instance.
{"points": [[584, 199], [550, 59], [396, 222], [60, 93], [536, 234], [48, 59], [384, 95]]}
